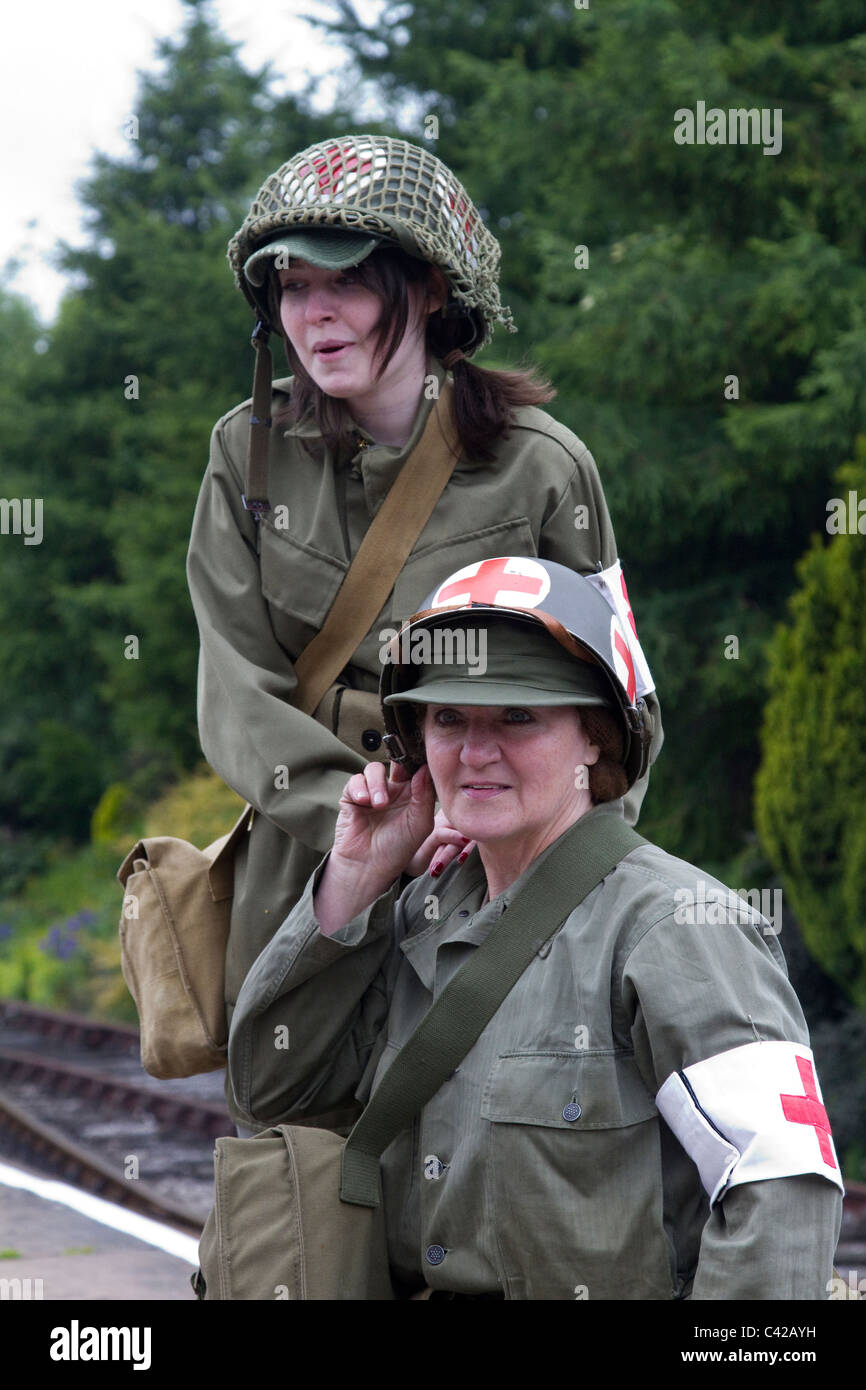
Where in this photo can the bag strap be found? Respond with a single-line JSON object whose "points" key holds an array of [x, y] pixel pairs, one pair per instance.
{"points": [[381, 555], [584, 855], [255, 499]]}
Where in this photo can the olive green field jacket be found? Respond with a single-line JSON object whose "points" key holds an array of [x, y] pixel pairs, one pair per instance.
{"points": [[542, 1168]]}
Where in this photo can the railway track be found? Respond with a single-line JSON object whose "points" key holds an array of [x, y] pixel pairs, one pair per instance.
{"points": [[75, 1102], [96, 1119]]}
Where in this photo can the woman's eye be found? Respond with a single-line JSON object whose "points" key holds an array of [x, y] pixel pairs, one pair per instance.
{"points": [[445, 716]]}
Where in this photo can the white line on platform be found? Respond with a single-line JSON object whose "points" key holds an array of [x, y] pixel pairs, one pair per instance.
{"points": [[142, 1227]]}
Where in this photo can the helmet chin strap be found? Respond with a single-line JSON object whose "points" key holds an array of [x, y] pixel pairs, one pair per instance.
{"points": [[255, 498]]}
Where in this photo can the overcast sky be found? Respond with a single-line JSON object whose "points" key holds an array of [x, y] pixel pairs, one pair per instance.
{"points": [[68, 83]]}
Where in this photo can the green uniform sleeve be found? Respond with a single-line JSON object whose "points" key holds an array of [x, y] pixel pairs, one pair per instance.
{"points": [[579, 534], [697, 990], [310, 1012], [771, 1240], [248, 729]]}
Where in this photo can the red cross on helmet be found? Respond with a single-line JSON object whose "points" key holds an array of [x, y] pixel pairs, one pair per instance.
{"points": [[588, 615]]}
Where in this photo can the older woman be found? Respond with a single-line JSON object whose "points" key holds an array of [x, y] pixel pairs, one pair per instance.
{"points": [[366, 257], [640, 1118]]}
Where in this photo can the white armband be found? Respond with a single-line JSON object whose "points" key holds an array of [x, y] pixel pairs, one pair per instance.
{"points": [[752, 1113], [631, 665]]}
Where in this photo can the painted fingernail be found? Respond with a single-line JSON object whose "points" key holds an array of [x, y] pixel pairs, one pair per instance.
{"points": [[435, 870], [461, 858], [464, 840]]}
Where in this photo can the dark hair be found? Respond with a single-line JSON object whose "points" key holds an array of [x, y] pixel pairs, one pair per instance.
{"points": [[484, 400]]}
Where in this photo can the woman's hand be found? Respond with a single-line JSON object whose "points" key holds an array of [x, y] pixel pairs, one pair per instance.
{"points": [[384, 820], [440, 847], [385, 827], [382, 823], [442, 837]]}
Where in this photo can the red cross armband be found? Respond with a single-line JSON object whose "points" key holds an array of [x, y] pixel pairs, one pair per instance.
{"points": [[752, 1113], [631, 664]]}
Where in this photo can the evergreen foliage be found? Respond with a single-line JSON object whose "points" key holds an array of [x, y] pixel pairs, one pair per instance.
{"points": [[810, 792]]}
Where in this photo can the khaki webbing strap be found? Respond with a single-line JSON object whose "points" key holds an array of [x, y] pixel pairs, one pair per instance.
{"points": [[576, 865], [255, 499], [381, 555]]}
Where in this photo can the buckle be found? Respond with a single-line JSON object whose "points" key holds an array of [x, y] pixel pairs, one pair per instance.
{"points": [[396, 751], [257, 505]]}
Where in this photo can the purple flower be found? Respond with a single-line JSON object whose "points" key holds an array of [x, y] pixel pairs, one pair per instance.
{"points": [[57, 944], [81, 919]]}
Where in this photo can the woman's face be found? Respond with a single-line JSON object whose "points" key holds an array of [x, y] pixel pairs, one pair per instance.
{"points": [[329, 317], [509, 773]]}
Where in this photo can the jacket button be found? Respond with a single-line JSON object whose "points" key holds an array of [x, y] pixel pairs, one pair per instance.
{"points": [[434, 1254], [571, 1112], [433, 1167], [371, 739]]}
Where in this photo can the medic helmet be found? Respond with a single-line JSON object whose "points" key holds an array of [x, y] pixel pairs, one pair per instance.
{"points": [[587, 615]]}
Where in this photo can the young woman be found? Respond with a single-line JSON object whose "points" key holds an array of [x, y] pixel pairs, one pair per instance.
{"points": [[640, 1117], [368, 258]]}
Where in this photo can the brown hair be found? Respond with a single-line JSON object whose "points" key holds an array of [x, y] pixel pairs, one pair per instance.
{"points": [[607, 777], [484, 400]]}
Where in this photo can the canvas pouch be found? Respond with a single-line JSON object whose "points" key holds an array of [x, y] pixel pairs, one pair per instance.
{"points": [[174, 926], [278, 1230]]}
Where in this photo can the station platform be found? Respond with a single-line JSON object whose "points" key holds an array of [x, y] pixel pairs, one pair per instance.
{"points": [[59, 1244]]}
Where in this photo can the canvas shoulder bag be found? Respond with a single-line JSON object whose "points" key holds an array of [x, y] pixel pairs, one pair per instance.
{"points": [[177, 899], [298, 1211], [174, 925]]}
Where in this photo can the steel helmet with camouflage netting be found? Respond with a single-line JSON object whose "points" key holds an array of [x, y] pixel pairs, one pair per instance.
{"points": [[378, 190], [552, 637]]}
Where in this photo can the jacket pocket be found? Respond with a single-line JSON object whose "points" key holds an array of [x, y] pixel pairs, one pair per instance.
{"points": [[534, 1088], [429, 565], [575, 1167], [300, 581]]}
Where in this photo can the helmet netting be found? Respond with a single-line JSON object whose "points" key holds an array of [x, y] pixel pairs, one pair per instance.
{"points": [[372, 183]]}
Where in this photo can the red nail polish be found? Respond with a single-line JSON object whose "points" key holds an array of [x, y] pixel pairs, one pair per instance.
{"points": [[461, 858], [435, 872]]}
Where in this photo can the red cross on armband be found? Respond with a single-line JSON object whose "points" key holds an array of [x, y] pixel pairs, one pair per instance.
{"points": [[808, 1110], [740, 1117], [622, 660], [631, 666]]}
